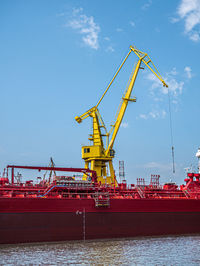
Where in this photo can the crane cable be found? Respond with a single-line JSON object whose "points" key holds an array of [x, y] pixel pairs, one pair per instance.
{"points": [[171, 132]]}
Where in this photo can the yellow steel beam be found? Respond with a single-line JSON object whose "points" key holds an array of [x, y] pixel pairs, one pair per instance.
{"points": [[123, 106]]}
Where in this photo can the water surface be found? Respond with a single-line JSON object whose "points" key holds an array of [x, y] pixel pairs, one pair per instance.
{"points": [[172, 250]]}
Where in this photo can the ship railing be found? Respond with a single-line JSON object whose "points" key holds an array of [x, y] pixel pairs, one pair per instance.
{"points": [[140, 192], [75, 183], [160, 193], [164, 194], [151, 187], [187, 194], [193, 194], [103, 198], [70, 195]]}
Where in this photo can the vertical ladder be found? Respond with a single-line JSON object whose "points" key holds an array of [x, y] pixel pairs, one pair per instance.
{"points": [[102, 200]]}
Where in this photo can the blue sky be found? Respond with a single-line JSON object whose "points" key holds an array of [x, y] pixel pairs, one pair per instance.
{"points": [[57, 57]]}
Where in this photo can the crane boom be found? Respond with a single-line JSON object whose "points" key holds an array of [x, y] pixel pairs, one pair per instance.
{"points": [[96, 156], [125, 101], [143, 57]]}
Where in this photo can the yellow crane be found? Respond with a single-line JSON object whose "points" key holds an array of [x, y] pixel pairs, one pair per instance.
{"points": [[96, 156]]}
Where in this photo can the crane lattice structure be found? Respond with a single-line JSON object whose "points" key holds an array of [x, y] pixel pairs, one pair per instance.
{"points": [[96, 156]]}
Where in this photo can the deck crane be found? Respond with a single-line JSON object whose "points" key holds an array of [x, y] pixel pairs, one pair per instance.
{"points": [[96, 156]]}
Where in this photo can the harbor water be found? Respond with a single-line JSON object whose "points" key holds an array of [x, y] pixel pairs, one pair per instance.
{"points": [[170, 250]]}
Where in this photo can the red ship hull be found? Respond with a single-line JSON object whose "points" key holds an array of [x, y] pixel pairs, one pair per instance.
{"points": [[40, 220], [69, 209]]}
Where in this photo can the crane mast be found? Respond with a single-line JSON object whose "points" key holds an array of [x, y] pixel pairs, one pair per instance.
{"points": [[96, 156]]}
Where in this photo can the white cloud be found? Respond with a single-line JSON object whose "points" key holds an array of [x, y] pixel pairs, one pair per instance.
{"points": [[158, 99], [188, 72], [132, 23], [60, 14], [186, 6], [155, 82], [107, 39], [119, 29], [189, 12], [173, 72], [77, 11], [147, 5], [160, 166], [158, 92], [85, 26], [124, 125], [194, 36], [110, 49], [174, 86], [174, 20], [155, 114], [174, 101], [143, 116]]}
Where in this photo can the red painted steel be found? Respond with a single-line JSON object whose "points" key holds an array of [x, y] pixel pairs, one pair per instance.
{"points": [[62, 169], [53, 226], [68, 209]]}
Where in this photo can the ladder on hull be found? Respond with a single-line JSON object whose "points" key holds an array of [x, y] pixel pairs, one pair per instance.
{"points": [[102, 200]]}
